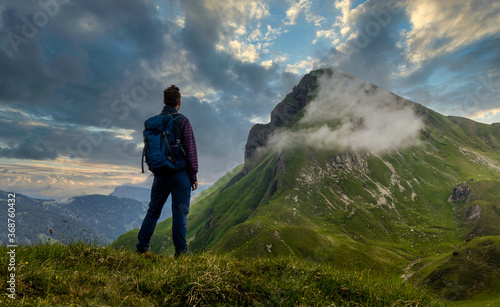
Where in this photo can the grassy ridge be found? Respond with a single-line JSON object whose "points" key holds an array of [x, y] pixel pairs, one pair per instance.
{"points": [[85, 275]]}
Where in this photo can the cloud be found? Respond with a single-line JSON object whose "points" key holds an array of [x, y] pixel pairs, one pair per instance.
{"points": [[306, 7], [486, 114], [295, 9], [229, 22], [304, 65], [351, 114], [365, 40], [31, 147], [442, 27], [465, 83], [83, 91]]}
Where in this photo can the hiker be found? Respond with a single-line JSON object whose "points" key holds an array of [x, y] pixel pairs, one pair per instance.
{"points": [[179, 182]]}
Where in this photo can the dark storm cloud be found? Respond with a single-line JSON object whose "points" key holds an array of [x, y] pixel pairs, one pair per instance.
{"points": [[62, 69], [30, 147], [372, 53], [92, 44], [26, 137], [251, 82]]}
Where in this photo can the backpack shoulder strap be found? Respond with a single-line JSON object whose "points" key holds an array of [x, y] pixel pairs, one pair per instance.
{"points": [[178, 118]]}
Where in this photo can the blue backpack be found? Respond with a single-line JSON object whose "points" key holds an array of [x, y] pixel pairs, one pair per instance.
{"points": [[163, 151]]}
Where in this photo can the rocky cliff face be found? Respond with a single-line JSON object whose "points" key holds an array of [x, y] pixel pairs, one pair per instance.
{"points": [[283, 115], [286, 110]]}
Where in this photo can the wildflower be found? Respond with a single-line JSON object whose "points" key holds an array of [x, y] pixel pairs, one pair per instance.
{"points": [[26, 262]]}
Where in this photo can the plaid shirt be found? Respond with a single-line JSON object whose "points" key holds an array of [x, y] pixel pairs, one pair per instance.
{"points": [[189, 145]]}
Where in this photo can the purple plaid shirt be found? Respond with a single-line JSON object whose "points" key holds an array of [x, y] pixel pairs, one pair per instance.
{"points": [[189, 145]]}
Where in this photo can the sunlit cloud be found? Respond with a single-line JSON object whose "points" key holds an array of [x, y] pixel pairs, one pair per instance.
{"points": [[486, 114], [442, 27]]}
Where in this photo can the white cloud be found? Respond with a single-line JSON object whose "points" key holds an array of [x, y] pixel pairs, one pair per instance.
{"points": [[242, 51], [294, 11], [315, 19], [269, 63], [327, 34], [180, 21], [349, 113], [344, 20], [440, 27], [302, 66], [238, 18], [486, 115], [258, 9]]}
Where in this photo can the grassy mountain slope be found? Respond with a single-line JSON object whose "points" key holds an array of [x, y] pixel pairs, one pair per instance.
{"points": [[85, 275], [356, 209]]}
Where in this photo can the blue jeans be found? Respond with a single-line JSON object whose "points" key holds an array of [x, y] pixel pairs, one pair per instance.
{"points": [[179, 185]]}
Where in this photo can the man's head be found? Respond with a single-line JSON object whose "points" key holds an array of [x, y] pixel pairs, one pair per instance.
{"points": [[172, 96]]}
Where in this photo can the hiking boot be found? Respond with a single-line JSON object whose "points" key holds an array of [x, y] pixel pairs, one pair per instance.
{"points": [[179, 253]]}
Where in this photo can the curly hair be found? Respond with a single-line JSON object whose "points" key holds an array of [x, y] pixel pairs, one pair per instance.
{"points": [[171, 96]]}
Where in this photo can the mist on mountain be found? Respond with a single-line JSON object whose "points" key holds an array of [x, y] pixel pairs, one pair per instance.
{"points": [[349, 113]]}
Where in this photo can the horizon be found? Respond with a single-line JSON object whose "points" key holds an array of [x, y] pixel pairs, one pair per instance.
{"points": [[79, 79]]}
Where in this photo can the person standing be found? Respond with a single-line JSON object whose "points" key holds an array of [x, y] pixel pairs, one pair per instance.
{"points": [[179, 184]]}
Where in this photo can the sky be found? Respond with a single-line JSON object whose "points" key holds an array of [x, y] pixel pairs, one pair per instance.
{"points": [[78, 78]]}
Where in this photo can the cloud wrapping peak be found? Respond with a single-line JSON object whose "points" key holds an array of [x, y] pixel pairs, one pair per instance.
{"points": [[351, 114]]}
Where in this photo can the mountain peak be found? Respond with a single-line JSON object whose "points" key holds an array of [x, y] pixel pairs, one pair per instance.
{"points": [[282, 115], [335, 109]]}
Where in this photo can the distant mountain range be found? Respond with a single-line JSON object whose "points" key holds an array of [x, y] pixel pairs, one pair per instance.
{"points": [[137, 193], [95, 218], [349, 173]]}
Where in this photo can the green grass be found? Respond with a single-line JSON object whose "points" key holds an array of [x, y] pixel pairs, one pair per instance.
{"points": [[470, 270], [85, 275]]}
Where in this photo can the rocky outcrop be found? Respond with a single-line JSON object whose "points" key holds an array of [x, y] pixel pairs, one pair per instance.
{"points": [[283, 115], [472, 213], [460, 193], [349, 161], [257, 137], [286, 110]]}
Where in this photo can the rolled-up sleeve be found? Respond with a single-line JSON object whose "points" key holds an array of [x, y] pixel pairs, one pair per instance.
{"points": [[189, 144]]}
